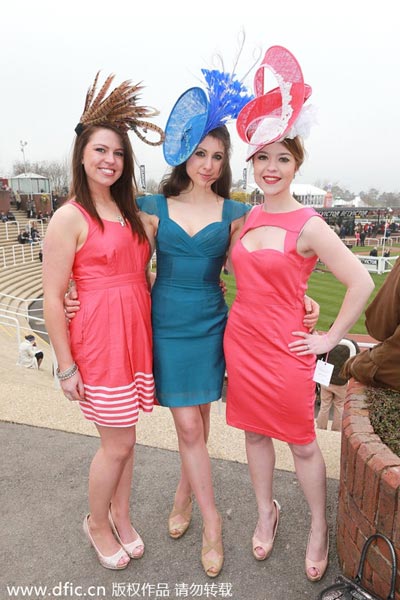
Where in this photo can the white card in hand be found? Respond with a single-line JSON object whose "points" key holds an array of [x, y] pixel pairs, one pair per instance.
{"points": [[323, 372]]}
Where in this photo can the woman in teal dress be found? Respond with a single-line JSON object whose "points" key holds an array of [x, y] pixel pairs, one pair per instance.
{"points": [[193, 223]]}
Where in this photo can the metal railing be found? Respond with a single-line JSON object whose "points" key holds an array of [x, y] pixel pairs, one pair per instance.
{"points": [[11, 224], [20, 253], [9, 320], [6, 299], [24, 321]]}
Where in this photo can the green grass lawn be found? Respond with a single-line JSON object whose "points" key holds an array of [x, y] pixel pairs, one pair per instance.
{"points": [[327, 291]]}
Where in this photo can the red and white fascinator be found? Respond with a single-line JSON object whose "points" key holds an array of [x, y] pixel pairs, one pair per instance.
{"points": [[279, 113]]}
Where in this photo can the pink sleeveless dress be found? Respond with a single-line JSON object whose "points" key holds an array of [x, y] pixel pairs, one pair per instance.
{"points": [[270, 390], [110, 336]]}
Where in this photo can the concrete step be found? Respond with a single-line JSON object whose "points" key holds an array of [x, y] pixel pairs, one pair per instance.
{"points": [[32, 275], [29, 289], [21, 283], [14, 272]]}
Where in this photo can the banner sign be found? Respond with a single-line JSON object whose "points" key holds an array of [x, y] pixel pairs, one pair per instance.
{"points": [[244, 178], [143, 177]]}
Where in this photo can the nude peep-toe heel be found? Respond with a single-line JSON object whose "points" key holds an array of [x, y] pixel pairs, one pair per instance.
{"points": [[212, 566], [267, 546], [108, 562], [319, 565], [176, 527], [131, 547]]}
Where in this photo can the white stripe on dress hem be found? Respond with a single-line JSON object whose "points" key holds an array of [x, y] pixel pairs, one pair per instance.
{"points": [[116, 400], [134, 383]]}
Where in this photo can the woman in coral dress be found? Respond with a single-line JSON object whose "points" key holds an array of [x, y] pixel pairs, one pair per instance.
{"points": [[106, 362], [270, 355]]}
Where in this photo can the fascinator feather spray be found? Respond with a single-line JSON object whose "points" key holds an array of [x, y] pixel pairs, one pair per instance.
{"points": [[279, 113], [119, 108], [198, 111]]}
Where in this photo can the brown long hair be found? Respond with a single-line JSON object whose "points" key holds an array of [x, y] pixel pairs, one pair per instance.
{"points": [[123, 191], [296, 148], [178, 180]]}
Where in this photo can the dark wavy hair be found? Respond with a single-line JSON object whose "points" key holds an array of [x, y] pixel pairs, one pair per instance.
{"points": [[123, 191], [178, 180]]}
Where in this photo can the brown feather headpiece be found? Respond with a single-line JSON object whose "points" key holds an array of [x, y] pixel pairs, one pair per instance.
{"points": [[120, 109]]}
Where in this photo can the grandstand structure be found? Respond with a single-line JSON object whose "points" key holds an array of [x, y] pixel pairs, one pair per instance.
{"points": [[21, 293]]}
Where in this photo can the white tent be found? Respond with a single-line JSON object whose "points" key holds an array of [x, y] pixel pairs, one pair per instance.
{"points": [[308, 194], [30, 183]]}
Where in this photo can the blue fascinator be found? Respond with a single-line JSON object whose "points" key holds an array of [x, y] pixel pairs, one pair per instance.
{"points": [[196, 113]]}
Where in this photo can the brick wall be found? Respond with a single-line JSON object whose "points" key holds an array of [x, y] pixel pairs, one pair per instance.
{"points": [[369, 496], [5, 198]]}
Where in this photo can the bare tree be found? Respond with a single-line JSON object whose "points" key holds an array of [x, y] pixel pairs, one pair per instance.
{"points": [[389, 199], [370, 198], [152, 186]]}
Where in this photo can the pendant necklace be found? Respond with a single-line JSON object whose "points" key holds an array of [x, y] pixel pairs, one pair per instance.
{"points": [[121, 221]]}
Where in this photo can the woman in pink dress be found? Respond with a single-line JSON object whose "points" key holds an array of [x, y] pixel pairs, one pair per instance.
{"points": [[270, 355], [106, 361]]}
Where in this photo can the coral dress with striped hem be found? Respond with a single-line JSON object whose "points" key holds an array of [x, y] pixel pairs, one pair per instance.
{"points": [[110, 336]]}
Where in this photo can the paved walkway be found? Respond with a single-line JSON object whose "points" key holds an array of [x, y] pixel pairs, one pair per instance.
{"points": [[46, 451]]}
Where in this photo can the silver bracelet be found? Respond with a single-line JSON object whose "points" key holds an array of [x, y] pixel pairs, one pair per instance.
{"points": [[70, 372]]}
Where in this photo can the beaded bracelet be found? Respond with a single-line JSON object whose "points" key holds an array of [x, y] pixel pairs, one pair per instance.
{"points": [[70, 372]]}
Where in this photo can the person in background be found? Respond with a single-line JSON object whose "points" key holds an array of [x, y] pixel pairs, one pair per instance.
{"points": [[105, 361], [270, 355], [334, 394], [28, 355], [378, 367], [30, 209], [34, 233], [18, 200]]}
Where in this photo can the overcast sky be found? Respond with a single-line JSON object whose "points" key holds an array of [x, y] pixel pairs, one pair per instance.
{"points": [[349, 52]]}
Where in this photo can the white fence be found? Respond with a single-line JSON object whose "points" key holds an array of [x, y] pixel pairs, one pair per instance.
{"points": [[25, 321], [20, 253], [378, 264], [23, 317], [12, 228]]}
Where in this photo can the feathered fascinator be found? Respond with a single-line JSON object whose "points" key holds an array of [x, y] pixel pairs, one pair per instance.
{"points": [[120, 109], [279, 113], [198, 111]]}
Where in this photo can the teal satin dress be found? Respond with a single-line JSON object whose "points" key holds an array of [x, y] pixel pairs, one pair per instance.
{"points": [[189, 312]]}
